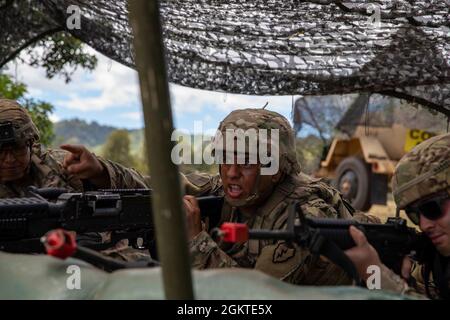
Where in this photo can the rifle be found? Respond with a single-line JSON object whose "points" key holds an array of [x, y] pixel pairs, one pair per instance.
{"points": [[330, 237], [126, 213]]}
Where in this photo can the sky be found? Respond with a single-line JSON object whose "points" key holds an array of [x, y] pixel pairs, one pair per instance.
{"points": [[110, 95]]}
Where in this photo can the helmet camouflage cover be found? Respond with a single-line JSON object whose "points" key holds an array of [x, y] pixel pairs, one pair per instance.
{"points": [[23, 127], [257, 119], [423, 171]]}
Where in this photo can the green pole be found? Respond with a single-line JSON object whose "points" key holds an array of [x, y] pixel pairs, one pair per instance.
{"points": [[169, 217]]}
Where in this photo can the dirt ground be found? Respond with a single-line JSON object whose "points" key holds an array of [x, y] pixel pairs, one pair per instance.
{"points": [[388, 211], [383, 211]]}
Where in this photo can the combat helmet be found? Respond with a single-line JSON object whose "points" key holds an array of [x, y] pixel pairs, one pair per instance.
{"points": [[423, 172], [16, 125], [257, 119]]}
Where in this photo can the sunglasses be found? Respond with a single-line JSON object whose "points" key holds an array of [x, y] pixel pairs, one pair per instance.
{"points": [[431, 208]]}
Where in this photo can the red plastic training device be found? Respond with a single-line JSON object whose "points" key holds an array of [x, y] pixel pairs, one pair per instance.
{"points": [[60, 243], [234, 232]]}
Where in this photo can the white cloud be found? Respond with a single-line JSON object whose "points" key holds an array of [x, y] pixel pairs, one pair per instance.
{"points": [[114, 86], [54, 118], [188, 100], [137, 116], [109, 85], [38, 84]]}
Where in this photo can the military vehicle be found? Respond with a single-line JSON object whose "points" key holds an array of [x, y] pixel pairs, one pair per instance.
{"points": [[373, 133]]}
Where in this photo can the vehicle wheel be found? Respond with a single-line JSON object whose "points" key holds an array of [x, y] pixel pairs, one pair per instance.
{"points": [[353, 181]]}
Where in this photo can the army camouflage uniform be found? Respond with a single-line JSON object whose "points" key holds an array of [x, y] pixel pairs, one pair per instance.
{"points": [[46, 170], [280, 259], [421, 173]]}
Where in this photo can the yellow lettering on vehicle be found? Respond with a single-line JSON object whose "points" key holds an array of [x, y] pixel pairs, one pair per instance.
{"points": [[414, 137]]}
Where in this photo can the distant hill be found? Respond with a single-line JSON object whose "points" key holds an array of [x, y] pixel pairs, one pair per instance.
{"points": [[93, 135], [82, 132], [90, 134]]}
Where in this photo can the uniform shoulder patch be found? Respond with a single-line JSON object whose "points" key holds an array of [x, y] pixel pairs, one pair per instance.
{"points": [[283, 252]]}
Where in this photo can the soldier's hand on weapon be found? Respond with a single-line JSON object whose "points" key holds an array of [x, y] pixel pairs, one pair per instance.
{"points": [[407, 265], [363, 254], [193, 217], [81, 163]]}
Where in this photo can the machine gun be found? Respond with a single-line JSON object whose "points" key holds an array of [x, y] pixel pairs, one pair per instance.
{"points": [[330, 237], [125, 213]]}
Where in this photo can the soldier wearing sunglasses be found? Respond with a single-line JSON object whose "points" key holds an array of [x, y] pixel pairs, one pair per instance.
{"points": [[421, 187]]}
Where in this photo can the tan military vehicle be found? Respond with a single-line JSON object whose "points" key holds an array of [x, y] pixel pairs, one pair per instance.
{"points": [[371, 139], [362, 165]]}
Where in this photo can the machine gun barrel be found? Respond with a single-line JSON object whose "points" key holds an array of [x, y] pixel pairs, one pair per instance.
{"points": [[126, 213]]}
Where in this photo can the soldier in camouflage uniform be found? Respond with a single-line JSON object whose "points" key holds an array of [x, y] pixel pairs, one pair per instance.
{"points": [[262, 202], [24, 163], [421, 187]]}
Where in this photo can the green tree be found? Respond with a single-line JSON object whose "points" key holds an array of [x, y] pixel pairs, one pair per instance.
{"points": [[39, 110], [40, 113], [309, 151], [10, 89], [117, 148], [140, 159], [59, 54]]}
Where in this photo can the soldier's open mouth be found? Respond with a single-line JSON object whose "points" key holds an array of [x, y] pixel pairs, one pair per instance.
{"points": [[234, 191]]}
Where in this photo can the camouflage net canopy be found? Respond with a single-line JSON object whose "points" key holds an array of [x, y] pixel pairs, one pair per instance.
{"points": [[268, 47]]}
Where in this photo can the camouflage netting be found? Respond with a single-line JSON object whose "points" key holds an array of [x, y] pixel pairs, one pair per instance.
{"points": [[283, 47]]}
